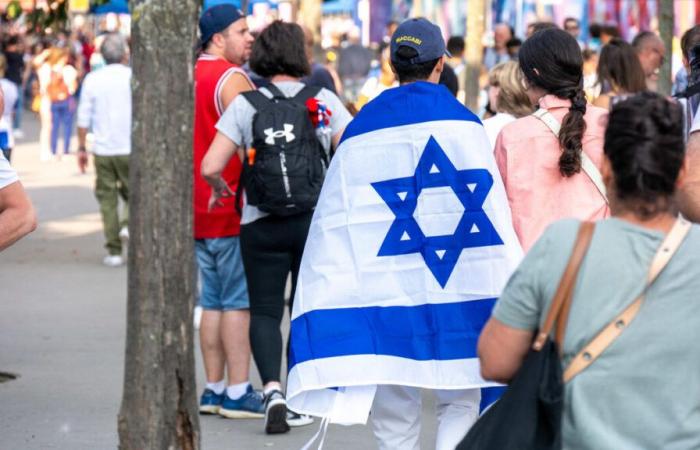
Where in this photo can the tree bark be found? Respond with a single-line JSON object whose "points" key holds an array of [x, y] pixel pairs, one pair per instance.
{"points": [[159, 402], [475, 51], [666, 22]]}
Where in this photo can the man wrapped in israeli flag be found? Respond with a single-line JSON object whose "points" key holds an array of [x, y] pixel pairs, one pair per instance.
{"points": [[410, 245]]}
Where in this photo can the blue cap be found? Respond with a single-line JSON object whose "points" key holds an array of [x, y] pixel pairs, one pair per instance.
{"points": [[216, 19], [422, 36]]}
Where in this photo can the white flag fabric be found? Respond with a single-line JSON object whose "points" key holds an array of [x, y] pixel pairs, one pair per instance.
{"points": [[410, 245]]}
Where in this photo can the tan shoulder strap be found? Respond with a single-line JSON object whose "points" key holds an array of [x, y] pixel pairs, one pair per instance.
{"points": [[598, 344], [589, 168], [566, 287]]}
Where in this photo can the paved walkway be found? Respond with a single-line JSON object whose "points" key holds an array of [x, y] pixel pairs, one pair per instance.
{"points": [[62, 330]]}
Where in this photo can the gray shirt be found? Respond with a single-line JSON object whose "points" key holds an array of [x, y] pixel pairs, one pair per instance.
{"points": [[643, 392], [237, 124]]}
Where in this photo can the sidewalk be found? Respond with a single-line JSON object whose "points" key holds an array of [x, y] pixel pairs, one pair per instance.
{"points": [[63, 325]]}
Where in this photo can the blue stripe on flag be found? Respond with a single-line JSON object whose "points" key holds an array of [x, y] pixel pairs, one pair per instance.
{"points": [[408, 104], [443, 331], [490, 395]]}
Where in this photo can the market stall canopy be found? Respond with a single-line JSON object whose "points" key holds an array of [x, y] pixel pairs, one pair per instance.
{"points": [[338, 6], [112, 6]]}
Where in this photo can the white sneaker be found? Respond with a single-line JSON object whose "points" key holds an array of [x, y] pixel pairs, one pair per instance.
{"points": [[197, 316], [113, 261], [298, 420], [18, 134], [124, 234]]}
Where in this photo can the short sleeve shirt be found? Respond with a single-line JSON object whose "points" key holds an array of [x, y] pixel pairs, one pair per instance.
{"points": [[7, 173], [527, 154], [237, 124], [644, 390]]}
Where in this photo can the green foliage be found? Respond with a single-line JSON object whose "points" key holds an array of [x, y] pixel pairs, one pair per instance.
{"points": [[56, 18]]}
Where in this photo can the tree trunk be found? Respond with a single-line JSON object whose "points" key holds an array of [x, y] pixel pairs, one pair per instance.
{"points": [[666, 22], [159, 403], [475, 51]]}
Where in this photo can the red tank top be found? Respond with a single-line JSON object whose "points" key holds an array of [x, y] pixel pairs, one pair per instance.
{"points": [[210, 74]]}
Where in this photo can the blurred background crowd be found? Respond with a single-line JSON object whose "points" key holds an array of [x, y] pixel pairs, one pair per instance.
{"points": [[49, 46]]}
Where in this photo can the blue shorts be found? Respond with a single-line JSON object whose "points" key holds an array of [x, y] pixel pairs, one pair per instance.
{"points": [[223, 278]]}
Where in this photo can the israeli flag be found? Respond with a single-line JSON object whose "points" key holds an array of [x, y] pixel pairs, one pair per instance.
{"points": [[410, 245]]}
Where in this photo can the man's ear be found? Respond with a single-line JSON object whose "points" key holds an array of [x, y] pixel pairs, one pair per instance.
{"points": [[441, 64], [218, 40]]}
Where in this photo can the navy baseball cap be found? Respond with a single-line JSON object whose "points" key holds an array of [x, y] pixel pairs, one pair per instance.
{"points": [[422, 36], [217, 19]]}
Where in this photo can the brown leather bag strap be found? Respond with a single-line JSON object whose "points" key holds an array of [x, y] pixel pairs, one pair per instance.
{"points": [[566, 284], [614, 329]]}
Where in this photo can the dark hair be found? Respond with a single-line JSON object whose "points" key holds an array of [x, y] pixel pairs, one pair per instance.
{"points": [[690, 39], [514, 42], [551, 60], [280, 50], [645, 146], [540, 26], [611, 30], [12, 40], [455, 45], [407, 72], [588, 54], [619, 65], [594, 30], [572, 19]]}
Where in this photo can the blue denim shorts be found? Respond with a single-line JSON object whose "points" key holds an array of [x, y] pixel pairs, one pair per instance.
{"points": [[223, 278]]}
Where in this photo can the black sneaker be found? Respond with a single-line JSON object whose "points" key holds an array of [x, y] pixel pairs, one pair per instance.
{"points": [[275, 413]]}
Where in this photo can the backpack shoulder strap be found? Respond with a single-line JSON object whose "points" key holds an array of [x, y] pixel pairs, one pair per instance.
{"points": [[306, 93], [588, 166], [257, 99], [275, 91]]}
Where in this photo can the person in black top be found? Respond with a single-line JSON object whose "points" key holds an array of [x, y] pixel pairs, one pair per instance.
{"points": [[14, 54]]}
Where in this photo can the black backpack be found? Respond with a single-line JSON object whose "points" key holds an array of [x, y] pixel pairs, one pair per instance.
{"points": [[284, 171]]}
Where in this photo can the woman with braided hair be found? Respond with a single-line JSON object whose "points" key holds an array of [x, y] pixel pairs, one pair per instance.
{"points": [[550, 161]]}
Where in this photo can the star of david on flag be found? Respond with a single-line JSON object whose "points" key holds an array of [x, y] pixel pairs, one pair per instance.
{"points": [[405, 236]]}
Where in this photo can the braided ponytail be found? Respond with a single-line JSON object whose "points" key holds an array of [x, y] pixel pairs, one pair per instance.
{"points": [[551, 60], [571, 134]]}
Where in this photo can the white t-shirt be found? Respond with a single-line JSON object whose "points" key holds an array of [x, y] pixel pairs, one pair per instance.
{"points": [[10, 94], [237, 124], [105, 106], [494, 125], [7, 173]]}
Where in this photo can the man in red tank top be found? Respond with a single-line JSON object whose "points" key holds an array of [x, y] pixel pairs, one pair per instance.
{"points": [[226, 45]]}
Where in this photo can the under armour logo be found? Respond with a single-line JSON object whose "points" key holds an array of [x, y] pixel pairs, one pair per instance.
{"points": [[286, 133]]}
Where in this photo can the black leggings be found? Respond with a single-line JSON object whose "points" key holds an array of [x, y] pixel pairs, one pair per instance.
{"points": [[271, 247]]}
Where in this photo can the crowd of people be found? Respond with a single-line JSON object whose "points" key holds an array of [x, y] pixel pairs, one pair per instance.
{"points": [[557, 154], [571, 132]]}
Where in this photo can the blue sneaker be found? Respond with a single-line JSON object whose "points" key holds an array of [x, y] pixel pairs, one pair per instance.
{"points": [[210, 402], [250, 406]]}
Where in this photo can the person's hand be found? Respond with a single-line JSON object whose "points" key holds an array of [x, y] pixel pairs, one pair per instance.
{"points": [[82, 160], [221, 190]]}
